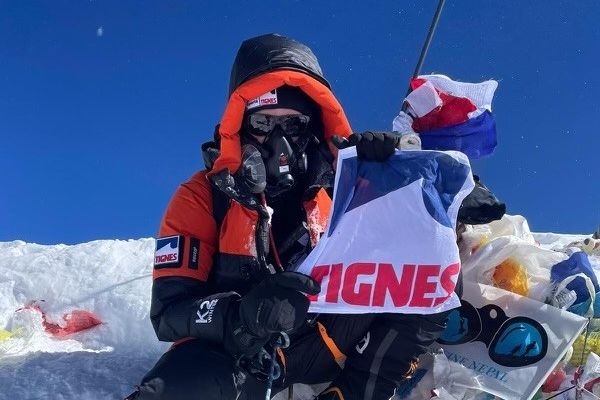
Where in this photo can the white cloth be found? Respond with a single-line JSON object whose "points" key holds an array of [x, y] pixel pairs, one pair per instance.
{"points": [[481, 94], [424, 99]]}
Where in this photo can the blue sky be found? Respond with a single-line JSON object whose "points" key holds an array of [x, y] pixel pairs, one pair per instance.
{"points": [[104, 104]]}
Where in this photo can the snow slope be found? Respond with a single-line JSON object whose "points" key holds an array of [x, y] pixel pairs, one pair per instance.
{"points": [[111, 278]]}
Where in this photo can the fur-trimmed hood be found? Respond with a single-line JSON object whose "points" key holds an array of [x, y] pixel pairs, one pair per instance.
{"points": [[265, 63]]}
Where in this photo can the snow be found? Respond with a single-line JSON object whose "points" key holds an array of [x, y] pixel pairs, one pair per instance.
{"points": [[557, 241], [111, 278]]}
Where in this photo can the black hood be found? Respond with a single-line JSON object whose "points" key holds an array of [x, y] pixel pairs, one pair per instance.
{"points": [[272, 52]]}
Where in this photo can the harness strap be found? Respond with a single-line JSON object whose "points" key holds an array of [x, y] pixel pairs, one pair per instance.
{"points": [[335, 390], [220, 205], [181, 341], [338, 356], [281, 355]]}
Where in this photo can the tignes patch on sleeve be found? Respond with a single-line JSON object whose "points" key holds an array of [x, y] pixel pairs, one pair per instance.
{"points": [[169, 252]]}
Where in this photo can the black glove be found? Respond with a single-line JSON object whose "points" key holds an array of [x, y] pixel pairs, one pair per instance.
{"points": [[481, 206], [277, 304], [371, 146]]}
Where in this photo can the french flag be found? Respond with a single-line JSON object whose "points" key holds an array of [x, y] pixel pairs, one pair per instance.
{"points": [[451, 115]]}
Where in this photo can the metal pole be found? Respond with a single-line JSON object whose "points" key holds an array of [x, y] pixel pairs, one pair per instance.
{"points": [[425, 48]]}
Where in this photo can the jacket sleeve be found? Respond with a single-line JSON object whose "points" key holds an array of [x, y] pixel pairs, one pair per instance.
{"points": [[183, 304]]}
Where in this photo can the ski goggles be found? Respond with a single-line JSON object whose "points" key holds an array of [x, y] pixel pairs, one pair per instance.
{"points": [[263, 125], [511, 342]]}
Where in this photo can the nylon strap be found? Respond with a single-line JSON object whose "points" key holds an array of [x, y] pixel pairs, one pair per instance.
{"points": [[338, 356]]}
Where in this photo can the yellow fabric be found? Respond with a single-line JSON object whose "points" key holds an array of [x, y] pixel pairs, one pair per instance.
{"points": [[512, 276], [339, 357], [482, 242], [5, 335], [593, 344]]}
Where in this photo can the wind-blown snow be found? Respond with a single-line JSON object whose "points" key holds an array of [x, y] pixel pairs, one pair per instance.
{"points": [[111, 278]]}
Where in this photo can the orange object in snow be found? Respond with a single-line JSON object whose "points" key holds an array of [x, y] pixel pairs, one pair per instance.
{"points": [[75, 321]]}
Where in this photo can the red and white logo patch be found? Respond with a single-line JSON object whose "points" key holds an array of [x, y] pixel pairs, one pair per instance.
{"points": [[168, 251], [268, 98]]}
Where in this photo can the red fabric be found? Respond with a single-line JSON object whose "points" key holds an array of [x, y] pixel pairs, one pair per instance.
{"points": [[317, 213], [554, 381], [454, 110], [75, 321], [238, 231], [190, 213]]}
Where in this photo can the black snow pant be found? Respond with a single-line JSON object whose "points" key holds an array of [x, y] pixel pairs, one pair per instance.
{"points": [[197, 370]]}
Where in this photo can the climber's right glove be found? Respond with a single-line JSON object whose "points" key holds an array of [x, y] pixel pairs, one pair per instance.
{"points": [[276, 304]]}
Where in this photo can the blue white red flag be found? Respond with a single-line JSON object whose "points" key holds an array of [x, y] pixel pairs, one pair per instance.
{"points": [[390, 243], [451, 115]]}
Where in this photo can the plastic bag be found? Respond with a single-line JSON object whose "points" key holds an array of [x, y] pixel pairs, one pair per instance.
{"points": [[481, 266], [576, 286], [438, 378], [476, 236]]}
